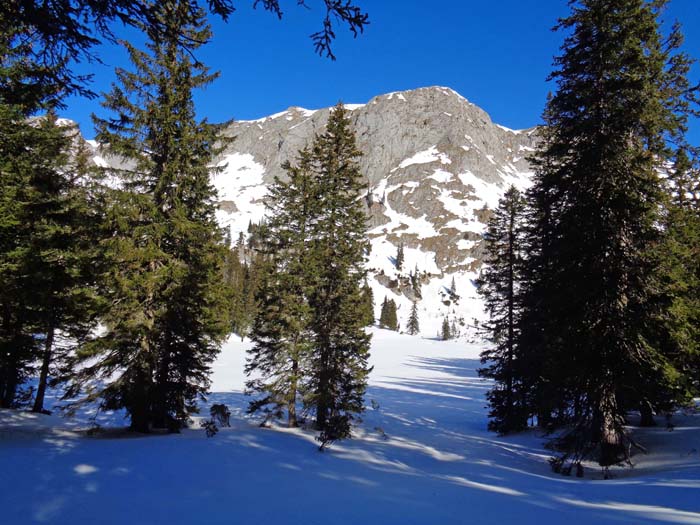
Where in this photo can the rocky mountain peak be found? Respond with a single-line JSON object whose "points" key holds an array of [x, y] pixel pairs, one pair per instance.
{"points": [[435, 165]]}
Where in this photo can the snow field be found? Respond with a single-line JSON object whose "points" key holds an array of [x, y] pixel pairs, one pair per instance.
{"points": [[422, 455]]}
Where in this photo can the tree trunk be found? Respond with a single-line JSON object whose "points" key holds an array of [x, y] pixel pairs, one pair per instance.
{"points": [[292, 403], [44, 374], [609, 429], [647, 413], [9, 390]]}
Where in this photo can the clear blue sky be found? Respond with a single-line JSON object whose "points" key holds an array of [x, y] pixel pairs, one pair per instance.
{"points": [[496, 53]]}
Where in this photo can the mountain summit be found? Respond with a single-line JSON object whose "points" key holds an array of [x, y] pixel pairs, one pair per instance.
{"points": [[435, 165]]}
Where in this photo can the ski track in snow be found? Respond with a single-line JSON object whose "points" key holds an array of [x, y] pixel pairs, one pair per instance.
{"points": [[421, 456]]}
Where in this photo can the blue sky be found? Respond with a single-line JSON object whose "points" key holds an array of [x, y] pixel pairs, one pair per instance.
{"points": [[496, 53]]}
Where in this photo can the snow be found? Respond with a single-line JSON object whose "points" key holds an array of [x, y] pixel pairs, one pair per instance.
{"points": [[441, 176], [422, 455], [513, 131], [241, 182], [424, 157], [396, 94], [286, 113]]}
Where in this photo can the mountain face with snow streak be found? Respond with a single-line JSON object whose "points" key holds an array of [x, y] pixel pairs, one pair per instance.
{"points": [[435, 165]]}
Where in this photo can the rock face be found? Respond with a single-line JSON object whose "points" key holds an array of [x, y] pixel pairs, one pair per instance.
{"points": [[435, 164]]}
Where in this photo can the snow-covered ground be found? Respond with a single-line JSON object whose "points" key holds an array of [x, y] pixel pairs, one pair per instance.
{"points": [[421, 456]]}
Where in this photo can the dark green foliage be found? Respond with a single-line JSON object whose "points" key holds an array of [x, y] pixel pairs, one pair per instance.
{"points": [[679, 256], [47, 254], [279, 360], [367, 305], [220, 417], [309, 332], [242, 275], [445, 330], [30, 153], [399, 257], [61, 260], [167, 310], [387, 317], [341, 346], [500, 284], [416, 283], [413, 326], [592, 309]]}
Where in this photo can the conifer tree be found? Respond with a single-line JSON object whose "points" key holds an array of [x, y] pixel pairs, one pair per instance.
{"points": [[622, 94], [279, 360], [399, 257], [45, 218], [416, 284], [61, 259], [167, 309], [413, 323], [388, 318], [367, 304], [31, 158], [341, 346], [679, 256], [445, 333], [500, 285]]}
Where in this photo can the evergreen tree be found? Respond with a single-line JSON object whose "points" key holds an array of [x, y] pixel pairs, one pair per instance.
{"points": [[45, 246], [622, 93], [413, 325], [61, 259], [367, 304], [445, 333], [500, 285], [279, 360], [416, 284], [167, 309], [453, 288], [679, 256], [31, 154], [399, 257], [388, 318], [341, 347]]}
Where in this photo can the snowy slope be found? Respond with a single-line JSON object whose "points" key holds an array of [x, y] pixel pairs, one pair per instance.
{"points": [[421, 456]]}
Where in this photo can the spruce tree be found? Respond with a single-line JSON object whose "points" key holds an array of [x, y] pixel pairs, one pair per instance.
{"points": [[367, 304], [61, 259], [416, 283], [500, 285], [679, 256], [622, 93], [388, 318], [46, 250], [167, 309], [279, 359], [339, 366], [31, 154], [413, 324], [399, 257], [445, 333]]}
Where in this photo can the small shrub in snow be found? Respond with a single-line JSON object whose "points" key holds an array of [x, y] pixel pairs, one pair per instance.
{"points": [[220, 417]]}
